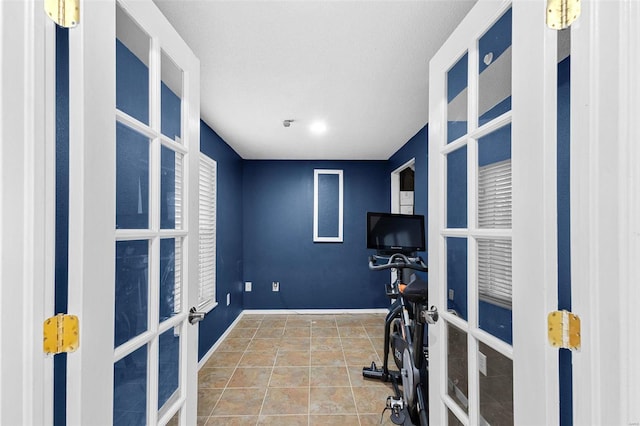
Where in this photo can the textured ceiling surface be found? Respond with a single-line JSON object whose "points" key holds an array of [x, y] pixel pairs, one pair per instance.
{"points": [[360, 67]]}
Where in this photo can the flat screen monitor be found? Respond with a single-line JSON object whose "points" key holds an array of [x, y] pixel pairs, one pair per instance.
{"points": [[395, 233]]}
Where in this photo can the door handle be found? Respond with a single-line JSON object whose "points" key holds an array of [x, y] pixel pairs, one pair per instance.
{"points": [[430, 315], [195, 316]]}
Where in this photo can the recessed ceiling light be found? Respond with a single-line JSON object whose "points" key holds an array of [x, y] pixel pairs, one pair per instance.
{"points": [[318, 127]]}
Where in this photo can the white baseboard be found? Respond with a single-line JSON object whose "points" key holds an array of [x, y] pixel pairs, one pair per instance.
{"points": [[210, 352], [313, 311]]}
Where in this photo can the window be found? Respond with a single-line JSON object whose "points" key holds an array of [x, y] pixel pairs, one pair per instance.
{"points": [[207, 231]]}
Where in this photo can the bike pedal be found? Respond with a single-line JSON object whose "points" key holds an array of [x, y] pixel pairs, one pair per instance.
{"points": [[397, 418], [396, 405]]}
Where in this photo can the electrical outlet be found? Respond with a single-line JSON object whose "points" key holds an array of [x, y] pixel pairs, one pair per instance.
{"points": [[247, 285], [450, 294], [275, 285], [228, 299], [482, 363]]}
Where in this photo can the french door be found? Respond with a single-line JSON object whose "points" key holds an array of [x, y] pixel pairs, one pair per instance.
{"points": [[492, 219], [133, 241]]}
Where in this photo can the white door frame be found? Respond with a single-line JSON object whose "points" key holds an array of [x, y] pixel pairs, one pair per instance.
{"points": [[27, 211], [605, 211], [395, 185], [91, 230], [535, 254], [92, 233], [534, 231]]}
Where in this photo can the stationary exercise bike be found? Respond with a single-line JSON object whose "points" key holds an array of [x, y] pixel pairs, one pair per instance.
{"points": [[404, 335]]}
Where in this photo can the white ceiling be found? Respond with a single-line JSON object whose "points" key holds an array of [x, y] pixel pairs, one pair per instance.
{"points": [[360, 66]]}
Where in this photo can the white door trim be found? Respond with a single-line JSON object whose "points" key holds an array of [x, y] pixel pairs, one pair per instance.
{"points": [[27, 211], [395, 185], [604, 211], [535, 254], [92, 228], [630, 92]]}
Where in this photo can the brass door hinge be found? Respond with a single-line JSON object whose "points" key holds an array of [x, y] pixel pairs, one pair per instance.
{"points": [[563, 328], [61, 333], [562, 13], [65, 13]]}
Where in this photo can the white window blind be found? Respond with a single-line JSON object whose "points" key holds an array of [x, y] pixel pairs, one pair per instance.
{"points": [[178, 225], [494, 272], [207, 229], [177, 273], [494, 195], [177, 199], [494, 212]]}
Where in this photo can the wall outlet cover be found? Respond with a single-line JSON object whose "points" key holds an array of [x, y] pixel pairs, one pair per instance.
{"points": [[482, 363], [228, 299], [275, 285], [247, 285]]}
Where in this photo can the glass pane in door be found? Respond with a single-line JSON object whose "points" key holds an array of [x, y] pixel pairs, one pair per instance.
{"points": [[132, 67], [457, 188], [132, 179], [494, 288], [457, 276], [457, 366], [131, 299], [494, 70], [452, 420], [171, 189], [170, 277], [130, 389], [457, 96], [171, 98], [494, 179], [496, 387], [175, 420], [169, 364]]}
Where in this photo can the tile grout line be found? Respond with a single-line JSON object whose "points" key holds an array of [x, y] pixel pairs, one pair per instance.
{"points": [[225, 386], [353, 394], [309, 397], [264, 398]]}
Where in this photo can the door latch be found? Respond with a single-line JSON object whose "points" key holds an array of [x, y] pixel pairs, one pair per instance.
{"points": [[195, 316]]}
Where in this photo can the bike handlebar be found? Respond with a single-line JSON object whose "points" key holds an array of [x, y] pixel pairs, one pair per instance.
{"points": [[398, 261]]}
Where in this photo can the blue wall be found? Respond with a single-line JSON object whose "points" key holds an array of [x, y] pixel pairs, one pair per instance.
{"points": [[564, 234], [229, 253], [278, 236], [62, 216], [416, 147]]}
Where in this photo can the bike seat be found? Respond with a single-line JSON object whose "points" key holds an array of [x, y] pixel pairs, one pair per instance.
{"points": [[416, 290]]}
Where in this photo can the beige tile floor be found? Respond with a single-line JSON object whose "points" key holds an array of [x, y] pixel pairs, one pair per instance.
{"points": [[295, 370]]}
